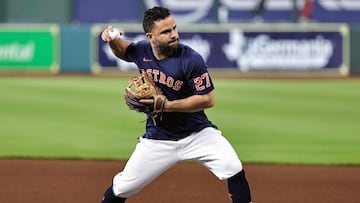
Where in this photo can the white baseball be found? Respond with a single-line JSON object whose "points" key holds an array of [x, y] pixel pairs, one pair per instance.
{"points": [[114, 34]]}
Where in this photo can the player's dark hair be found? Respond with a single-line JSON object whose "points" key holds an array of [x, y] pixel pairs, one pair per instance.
{"points": [[154, 14]]}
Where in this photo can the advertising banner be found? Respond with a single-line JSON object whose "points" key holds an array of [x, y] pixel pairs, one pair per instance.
{"points": [[214, 11], [95, 11], [28, 48], [247, 50], [330, 11]]}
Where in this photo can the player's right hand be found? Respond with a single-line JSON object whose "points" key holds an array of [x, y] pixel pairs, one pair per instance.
{"points": [[110, 33]]}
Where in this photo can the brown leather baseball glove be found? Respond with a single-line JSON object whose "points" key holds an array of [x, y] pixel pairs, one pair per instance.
{"points": [[142, 87]]}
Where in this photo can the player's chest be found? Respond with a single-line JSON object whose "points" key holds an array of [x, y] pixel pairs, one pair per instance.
{"points": [[168, 77]]}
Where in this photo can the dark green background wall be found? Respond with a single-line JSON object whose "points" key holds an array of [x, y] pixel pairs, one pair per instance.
{"points": [[2, 10], [75, 50], [355, 50], [36, 11]]}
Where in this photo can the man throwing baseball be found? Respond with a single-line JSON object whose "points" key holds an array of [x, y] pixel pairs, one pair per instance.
{"points": [[177, 127]]}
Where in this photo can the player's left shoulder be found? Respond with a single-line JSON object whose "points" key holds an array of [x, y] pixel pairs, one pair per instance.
{"points": [[188, 52]]}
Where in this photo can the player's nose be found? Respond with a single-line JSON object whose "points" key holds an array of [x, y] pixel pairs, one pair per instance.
{"points": [[174, 34]]}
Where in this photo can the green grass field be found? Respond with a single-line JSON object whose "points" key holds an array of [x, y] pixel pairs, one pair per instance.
{"points": [[267, 121]]}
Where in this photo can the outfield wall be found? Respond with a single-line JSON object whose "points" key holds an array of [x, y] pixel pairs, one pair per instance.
{"points": [[194, 11], [244, 48], [250, 48]]}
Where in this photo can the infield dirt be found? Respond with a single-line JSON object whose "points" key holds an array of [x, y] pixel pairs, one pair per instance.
{"points": [[83, 181]]}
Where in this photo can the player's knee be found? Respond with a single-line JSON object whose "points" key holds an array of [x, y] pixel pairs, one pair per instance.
{"points": [[233, 165], [234, 168], [124, 191], [229, 167], [124, 188]]}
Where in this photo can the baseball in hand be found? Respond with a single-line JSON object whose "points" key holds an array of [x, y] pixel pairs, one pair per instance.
{"points": [[114, 34]]}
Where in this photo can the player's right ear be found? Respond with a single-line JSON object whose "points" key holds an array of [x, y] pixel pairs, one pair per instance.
{"points": [[149, 36]]}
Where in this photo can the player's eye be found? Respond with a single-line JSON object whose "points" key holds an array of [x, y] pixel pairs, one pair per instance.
{"points": [[166, 31]]}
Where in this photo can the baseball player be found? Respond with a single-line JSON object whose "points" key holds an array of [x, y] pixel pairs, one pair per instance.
{"points": [[182, 131]]}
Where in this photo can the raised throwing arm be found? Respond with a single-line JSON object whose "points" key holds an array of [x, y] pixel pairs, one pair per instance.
{"points": [[117, 44]]}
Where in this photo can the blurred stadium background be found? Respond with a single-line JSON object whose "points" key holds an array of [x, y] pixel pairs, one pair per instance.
{"points": [[300, 37], [292, 121]]}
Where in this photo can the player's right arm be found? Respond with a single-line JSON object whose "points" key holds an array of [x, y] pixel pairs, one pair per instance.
{"points": [[117, 44]]}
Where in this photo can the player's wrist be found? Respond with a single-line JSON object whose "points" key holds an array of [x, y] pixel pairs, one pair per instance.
{"points": [[169, 106]]}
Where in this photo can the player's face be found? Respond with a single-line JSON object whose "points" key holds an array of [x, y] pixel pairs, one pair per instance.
{"points": [[164, 36]]}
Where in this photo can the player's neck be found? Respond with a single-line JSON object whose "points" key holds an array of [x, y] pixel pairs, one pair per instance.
{"points": [[162, 54]]}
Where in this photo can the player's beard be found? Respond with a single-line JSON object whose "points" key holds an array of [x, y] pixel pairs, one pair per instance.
{"points": [[167, 47]]}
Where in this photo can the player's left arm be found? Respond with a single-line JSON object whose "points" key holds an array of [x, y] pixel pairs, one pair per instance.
{"points": [[203, 97], [193, 103]]}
